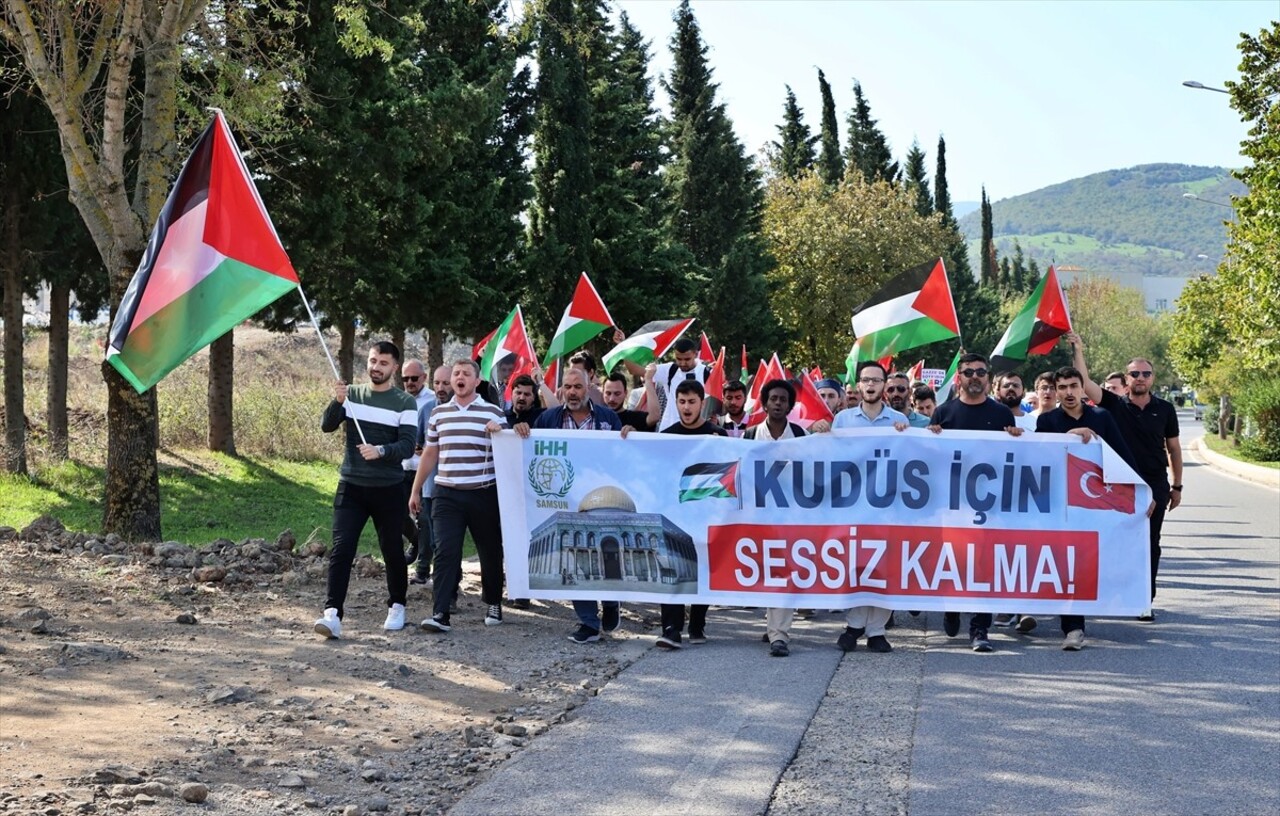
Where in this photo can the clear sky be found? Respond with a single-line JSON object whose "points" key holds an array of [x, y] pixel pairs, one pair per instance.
{"points": [[1027, 94]]}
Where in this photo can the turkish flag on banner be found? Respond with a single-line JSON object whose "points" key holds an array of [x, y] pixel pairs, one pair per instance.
{"points": [[1086, 489]]}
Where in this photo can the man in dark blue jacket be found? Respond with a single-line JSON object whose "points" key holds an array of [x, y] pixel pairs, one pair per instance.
{"points": [[577, 412]]}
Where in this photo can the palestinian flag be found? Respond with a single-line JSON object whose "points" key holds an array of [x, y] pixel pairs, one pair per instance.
{"points": [[584, 318], [709, 481], [742, 372], [705, 354], [1037, 327], [947, 389], [649, 343], [213, 261], [911, 310], [508, 341]]}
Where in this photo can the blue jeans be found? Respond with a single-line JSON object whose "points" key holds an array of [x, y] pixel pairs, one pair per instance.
{"points": [[589, 612]]}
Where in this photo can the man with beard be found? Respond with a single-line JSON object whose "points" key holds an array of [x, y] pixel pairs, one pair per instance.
{"points": [[370, 484], [897, 389], [414, 377], [832, 394], [973, 410], [734, 420], [615, 399], [667, 376], [871, 412], [1009, 393], [578, 413], [851, 395], [457, 440], [525, 407], [924, 400], [779, 397], [443, 391], [1074, 417], [1150, 426]]}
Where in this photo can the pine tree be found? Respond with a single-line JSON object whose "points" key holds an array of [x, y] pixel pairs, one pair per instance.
{"points": [[917, 181], [794, 153], [1032, 277], [941, 193], [868, 150], [830, 162], [560, 233], [1004, 281], [987, 266], [1016, 280], [716, 200], [637, 267]]}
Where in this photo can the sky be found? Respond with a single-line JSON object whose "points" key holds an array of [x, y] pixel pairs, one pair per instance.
{"points": [[1026, 93]]}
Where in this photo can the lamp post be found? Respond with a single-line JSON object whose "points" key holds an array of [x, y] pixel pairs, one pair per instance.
{"points": [[1200, 86], [1195, 197]]}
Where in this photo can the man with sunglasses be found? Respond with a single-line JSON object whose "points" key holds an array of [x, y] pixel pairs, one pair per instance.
{"points": [[414, 377], [897, 390], [1150, 426], [973, 410]]}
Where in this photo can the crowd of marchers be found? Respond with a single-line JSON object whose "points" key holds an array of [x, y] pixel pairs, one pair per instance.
{"points": [[419, 463]]}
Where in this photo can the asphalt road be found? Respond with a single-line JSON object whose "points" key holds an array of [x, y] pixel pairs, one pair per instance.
{"points": [[1180, 717]]}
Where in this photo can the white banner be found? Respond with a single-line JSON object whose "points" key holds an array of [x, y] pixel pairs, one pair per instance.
{"points": [[959, 521]]}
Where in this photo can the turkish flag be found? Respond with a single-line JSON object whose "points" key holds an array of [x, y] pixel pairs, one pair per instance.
{"points": [[1086, 489]]}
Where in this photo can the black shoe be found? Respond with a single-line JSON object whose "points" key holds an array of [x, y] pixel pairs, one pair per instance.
{"points": [[889, 624], [697, 636], [764, 638], [848, 640], [1147, 617], [670, 640], [1026, 624], [439, 622], [914, 613], [411, 555], [419, 578], [611, 618], [951, 623], [585, 634], [779, 649], [978, 640], [518, 603], [878, 643]]}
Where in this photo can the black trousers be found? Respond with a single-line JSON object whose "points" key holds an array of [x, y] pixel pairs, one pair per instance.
{"points": [[353, 506], [673, 617], [1160, 495], [1070, 623], [426, 539], [453, 513], [409, 526]]}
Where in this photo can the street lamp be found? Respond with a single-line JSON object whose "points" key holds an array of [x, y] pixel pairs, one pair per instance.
{"points": [[1195, 197], [1200, 86]]}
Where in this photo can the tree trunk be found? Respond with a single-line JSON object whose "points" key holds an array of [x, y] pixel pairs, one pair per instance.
{"points": [[1224, 415], [15, 420], [435, 350], [397, 337], [56, 398], [346, 350], [133, 476], [222, 369]]}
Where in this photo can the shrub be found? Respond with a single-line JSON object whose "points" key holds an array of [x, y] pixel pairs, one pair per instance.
{"points": [[1260, 402]]}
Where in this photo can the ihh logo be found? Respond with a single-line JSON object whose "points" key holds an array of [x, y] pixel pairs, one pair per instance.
{"points": [[545, 447]]}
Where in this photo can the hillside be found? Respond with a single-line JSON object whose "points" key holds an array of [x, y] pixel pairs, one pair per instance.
{"points": [[1121, 222]]}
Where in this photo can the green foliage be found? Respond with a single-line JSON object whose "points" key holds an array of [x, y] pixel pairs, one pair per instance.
{"points": [[941, 191], [1260, 402], [1199, 334], [834, 246], [867, 148], [1114, 324], [1128, 222], [794, 152], [830, 162], [917, 180]]}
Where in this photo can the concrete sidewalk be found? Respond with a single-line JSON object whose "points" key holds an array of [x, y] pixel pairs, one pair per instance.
{"points": [[707, 730]]}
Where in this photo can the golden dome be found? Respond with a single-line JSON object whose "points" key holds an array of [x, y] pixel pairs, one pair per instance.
{"points": [[606, 498]]}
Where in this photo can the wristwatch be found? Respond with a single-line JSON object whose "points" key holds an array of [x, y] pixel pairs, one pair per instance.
{"points": [[1177, 488], [382, 452]]}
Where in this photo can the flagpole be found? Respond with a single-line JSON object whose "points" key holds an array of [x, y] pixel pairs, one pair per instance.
{"points": [[333, 365]]}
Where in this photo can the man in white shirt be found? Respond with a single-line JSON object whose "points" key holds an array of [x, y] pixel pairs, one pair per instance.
{"points": [[669, 375], [1009, 392]]}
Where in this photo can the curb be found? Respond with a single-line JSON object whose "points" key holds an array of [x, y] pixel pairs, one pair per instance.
{"points": [[1268, 477]]}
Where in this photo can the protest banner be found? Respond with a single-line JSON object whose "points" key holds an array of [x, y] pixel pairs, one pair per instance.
{"points": [[958, 521]]}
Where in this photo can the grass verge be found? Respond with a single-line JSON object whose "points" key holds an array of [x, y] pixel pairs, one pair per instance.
{"points": [[1226, 447]]}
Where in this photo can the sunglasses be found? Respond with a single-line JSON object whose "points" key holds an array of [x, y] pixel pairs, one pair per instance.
{"points": [[411, 378], [1142, 374], [973, 372], [896, 389]]}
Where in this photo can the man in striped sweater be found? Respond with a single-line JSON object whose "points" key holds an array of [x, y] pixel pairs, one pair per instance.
{"points": [[370, 482], [458, 448]]}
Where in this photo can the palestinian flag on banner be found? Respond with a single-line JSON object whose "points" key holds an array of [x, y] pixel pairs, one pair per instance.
{"points": [[1037, 327], [649, 343], [911, 310], [584, 318], [947, 390], [510, 340], [213, 260], [709, 481]]}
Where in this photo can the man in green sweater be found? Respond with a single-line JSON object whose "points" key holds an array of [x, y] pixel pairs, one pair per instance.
{"points": [[369, 482]]}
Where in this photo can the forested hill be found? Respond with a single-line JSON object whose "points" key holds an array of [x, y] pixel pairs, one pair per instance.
{"points": [[1119, 222]]}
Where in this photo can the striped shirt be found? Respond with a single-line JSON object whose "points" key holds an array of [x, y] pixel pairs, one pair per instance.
{"points": [[466, 452], [387, 418]]}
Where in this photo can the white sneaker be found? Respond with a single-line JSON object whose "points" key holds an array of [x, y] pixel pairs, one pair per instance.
{"points": [[329, 625], [1074, 641], [395, 618]]}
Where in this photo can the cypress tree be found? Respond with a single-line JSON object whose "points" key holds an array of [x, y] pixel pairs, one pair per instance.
{"points": [[560, 232], [716, 200], [794, 153], [1032, 277], [830, 162], [987, 268], [917, 181], [1017, 278], [1005, 279], [868, 150], [941, 193]]}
